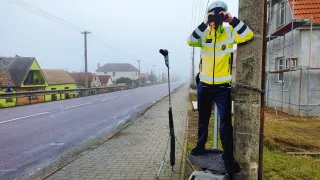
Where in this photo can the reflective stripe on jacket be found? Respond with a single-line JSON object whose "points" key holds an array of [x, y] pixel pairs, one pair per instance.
{"points": [[216, 48]]}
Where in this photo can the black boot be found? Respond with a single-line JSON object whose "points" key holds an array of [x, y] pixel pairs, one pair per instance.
{"points": [[198, 151], [232, 166]]}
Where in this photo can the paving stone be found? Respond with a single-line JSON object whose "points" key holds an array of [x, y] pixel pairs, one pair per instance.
{"points": [[137, 151]]}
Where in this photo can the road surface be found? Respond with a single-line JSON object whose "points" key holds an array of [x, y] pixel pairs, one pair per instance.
{"points": [[33, 136]]}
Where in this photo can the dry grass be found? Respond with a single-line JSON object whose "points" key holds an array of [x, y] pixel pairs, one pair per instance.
{"points": [[283, 133], [292, 134]]}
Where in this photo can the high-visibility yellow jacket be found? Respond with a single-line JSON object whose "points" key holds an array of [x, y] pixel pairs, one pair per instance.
{"points": [[216, 48]]}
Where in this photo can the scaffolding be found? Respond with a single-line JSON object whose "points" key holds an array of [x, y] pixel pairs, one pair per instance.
{"points": [[288, 67]]}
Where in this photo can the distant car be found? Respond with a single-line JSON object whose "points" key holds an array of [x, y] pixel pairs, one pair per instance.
{"points": [[148, 82]]}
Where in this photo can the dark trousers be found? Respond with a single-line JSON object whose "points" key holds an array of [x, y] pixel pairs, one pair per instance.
{"points": [[221, 95]]}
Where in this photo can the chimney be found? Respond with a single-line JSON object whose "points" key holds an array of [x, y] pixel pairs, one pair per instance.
{"points": [[98, 65]]}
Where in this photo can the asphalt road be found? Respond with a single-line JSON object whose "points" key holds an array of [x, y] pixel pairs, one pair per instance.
{"points": [[33, 136]]}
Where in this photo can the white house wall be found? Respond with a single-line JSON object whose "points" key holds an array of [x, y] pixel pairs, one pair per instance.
{"points": [[300, 51], [315, 50], [95, 82], [132, 75]]}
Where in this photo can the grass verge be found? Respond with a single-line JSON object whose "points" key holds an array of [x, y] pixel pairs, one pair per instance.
{"points": [[283, 134]]}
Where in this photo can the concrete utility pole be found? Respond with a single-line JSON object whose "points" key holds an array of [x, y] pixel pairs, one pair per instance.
{"points": [[139, 72], [249, 104], [154, 73], [86, 58], [193, 80]]}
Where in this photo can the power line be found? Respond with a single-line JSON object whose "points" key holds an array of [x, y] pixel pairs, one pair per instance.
{"points": [[205, 11], [45, 14], [192, 15], [199, 10], [49, 16], [35, 12], [196, 12], [110, 46]]}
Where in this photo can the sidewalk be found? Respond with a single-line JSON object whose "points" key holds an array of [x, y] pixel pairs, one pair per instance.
{"points": [[137, 151]]}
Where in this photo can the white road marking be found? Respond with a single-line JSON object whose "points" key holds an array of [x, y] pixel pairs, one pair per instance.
{"points": [[57, 144], [108, 99], [136, 106], [126, 95], [77, 105], [131, 94], [15, 119]]}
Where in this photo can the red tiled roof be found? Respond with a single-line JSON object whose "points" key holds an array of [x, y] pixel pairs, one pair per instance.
{"points": [[144, 75], [304, 9], [5, 78], [104, 79], [79, 77]]}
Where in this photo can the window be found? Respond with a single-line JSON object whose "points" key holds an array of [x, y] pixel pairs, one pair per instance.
{"points": [[29, 78], [293, 62], [105, 72], [114, 73], [279, 65], [281, 14], [34, 77]]}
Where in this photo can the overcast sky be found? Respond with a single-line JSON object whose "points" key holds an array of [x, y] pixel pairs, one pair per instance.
{"points": [[122, 31]]}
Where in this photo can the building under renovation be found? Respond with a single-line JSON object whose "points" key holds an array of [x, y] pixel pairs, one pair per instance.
{"points": [[293, 57]]}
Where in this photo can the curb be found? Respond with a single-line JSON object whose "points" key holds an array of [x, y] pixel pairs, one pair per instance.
{"points": [[184, 156]]}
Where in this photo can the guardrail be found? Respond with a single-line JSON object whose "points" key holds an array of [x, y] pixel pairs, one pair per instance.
{"points": [[81, 92]]}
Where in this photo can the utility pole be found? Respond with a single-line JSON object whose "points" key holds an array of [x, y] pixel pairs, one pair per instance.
{"points": [[139, 72], [85, 58], [249, 103], [193, 83], [154, 73]]}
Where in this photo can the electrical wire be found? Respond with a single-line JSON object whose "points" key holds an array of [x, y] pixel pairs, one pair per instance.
{"points": [[192, 15], [110, 46], [205, 11], [185, 154], [201, 10], [45, 14], [164, 156], [196, 12], [49, 16]]}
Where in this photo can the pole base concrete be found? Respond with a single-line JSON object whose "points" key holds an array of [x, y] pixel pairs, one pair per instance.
{"points": [[207, 175]]}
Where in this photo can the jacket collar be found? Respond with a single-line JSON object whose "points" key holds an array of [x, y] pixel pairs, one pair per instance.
{"points": [[219, 30]]}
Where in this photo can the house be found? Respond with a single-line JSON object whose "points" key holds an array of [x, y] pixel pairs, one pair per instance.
{"points": [[292, 54], [105, 80], [6, 85], [118, 70], [79, 77], [21, 74], [143, 77], [58, 79]]}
